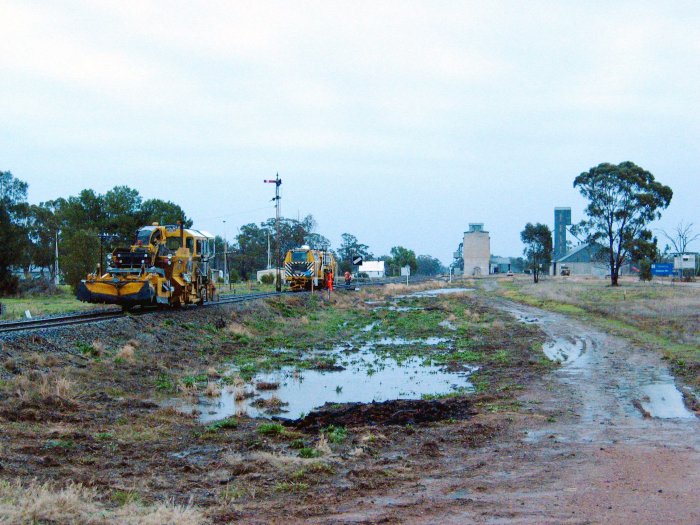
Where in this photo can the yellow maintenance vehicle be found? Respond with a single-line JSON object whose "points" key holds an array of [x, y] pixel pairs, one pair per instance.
{"points": [[166, 265], [305, 268]]}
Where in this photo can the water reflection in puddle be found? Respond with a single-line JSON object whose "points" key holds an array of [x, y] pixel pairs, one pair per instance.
{"points": [[370, 327], [663, 400], [367, 377], [447, 324], [438, 291]]}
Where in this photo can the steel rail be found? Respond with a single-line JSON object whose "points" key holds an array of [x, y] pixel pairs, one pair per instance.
{"points": [[105, 315], [62, 320]]}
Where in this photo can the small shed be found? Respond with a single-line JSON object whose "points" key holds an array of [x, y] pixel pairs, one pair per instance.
{"points": [[373, 269]]}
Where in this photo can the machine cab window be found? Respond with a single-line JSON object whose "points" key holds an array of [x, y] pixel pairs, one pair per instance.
{"points": [[173, 243], [143, 236], [299, 256]]}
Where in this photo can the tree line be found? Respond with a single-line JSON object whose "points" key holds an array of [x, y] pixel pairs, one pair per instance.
{"points": [[89, 224]]}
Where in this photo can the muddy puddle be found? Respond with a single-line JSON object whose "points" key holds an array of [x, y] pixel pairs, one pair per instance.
{"points": [[617, 383], [664, 401], [564, 350], [361, 375]]}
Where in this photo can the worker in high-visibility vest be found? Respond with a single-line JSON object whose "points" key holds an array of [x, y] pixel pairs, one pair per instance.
{"points": [[330, 281]]}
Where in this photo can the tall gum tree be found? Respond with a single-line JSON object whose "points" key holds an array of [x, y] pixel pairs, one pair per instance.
{"points": [[622, 200]]}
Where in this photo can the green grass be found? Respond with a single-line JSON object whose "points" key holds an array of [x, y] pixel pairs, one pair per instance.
{"points": [[335, 434], [164, 383], [459, 392], [39, 305], [291, 486], [270, 429], [308, 452], [221, 424]]}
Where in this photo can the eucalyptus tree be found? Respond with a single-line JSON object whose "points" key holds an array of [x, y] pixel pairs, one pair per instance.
{"points": [[537, 239], [622, 200]]}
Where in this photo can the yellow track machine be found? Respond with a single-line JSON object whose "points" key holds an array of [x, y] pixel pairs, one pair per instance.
{"points": [[304, 268], [167, 265]]}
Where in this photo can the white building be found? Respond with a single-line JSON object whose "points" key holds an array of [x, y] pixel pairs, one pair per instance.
{"points": [[373, 269], [476, 250]]}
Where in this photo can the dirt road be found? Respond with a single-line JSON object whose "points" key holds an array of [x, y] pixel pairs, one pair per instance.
{"points": [[615, 447]]}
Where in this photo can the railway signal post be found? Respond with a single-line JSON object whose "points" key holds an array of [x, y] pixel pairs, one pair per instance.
{"points": [[277, 182]]}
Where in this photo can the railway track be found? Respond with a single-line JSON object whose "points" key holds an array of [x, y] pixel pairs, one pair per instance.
{"points": [[109, 314], [59, 320]]}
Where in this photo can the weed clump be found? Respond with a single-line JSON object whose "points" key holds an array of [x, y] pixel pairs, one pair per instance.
{"points": [[264, 385], [335, 434], [270, 429], [271, 405], [229, 422], [212, 390], [308, 452]]}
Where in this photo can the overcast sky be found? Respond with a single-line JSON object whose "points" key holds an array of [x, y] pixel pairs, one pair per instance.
{"points": [[399, 122]]}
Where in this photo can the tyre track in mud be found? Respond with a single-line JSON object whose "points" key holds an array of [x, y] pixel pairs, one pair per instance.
{"points": [[585, 453]]}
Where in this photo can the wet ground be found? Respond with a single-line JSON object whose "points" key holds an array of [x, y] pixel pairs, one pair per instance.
{"points": [[598, 438], [617, 447], [360, 376]]}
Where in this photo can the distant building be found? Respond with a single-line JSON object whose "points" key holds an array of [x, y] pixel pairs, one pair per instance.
{"points": [[686, 264], [585, 259], [562, 219], [501, 264], [373, 269], [476, 250], [35, 272]]}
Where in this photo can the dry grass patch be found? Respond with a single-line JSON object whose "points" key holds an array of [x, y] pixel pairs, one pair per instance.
{"points": [[126, 353], [45, 388], [79, 505], [283, 464], [236, 328], [212, 389]]}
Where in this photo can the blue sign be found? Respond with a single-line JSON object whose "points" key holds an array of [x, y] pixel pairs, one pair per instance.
{"points": [[662, 269]]}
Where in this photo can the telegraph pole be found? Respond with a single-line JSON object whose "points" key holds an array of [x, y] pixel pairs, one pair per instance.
{"points": [[226, 276], [56, 279], [277, 182]]}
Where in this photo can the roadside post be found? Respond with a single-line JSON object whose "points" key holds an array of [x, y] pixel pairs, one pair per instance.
{"points": [[406, 271]]}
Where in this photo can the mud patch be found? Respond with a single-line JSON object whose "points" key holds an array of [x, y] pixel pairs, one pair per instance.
{"points": [[396, 412]]}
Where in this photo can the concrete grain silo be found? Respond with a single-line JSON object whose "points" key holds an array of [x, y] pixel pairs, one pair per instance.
{"points": [[476, 250]]}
